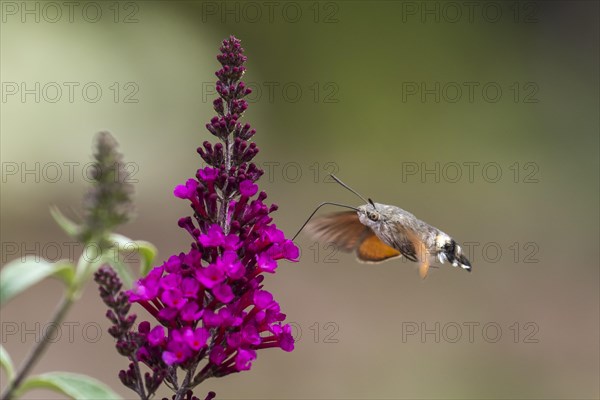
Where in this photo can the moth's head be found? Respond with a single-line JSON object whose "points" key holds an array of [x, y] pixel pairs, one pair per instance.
{"points": [[369, 215]]}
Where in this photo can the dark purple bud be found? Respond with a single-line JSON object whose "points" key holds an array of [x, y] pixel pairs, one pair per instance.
{"points": [[111, 316], [211, 129], [218, 105], [210, 396], [184, 222], [124, 379], [211, 204]]}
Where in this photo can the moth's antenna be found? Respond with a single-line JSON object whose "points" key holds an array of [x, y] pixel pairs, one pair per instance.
{"points": [[317, 209], [335, 178]]}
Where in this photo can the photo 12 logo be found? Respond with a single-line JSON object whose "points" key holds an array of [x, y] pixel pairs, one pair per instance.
{"points": [[325, 333], [65, 171], [69, 92], [53, 251], [252, 12], [67, 331], [296, 171], [470, 12], [470, 92], [526, 252], [287, 92], [52, 12], [469, 332], [469, 172]]}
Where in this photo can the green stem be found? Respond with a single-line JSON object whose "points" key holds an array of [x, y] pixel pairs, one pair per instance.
{"points": [[35, 354]]}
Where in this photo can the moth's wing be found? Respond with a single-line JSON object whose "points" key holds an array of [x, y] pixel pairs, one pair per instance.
{"points": [[423, 269], [373, 250], [405, 241], [344, 229], [412, 247]]}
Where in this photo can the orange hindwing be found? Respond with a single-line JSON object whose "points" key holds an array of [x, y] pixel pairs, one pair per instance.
{"points": [[372, 249]]}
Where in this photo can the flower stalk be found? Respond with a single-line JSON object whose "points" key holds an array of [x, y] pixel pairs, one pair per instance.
{"points": [[40, 348], [107, 205]]}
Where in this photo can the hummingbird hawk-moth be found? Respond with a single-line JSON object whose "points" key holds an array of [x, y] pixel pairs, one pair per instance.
{"points": [[379, 232]]}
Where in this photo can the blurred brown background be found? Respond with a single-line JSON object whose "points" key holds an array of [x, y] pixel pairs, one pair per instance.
{"points": [[482, 120]]}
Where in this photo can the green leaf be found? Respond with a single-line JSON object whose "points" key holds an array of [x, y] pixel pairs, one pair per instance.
{"points": [[19, 275], [76, 386], [70, 227], [146, 250], [122, 242], [6, 364], [147, 253]]}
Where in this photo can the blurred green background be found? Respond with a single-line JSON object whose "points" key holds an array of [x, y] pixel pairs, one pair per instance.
{"points": [[416, 104]]}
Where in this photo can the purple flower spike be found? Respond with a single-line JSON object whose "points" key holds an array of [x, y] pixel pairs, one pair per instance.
{"points": [[212, 314]]}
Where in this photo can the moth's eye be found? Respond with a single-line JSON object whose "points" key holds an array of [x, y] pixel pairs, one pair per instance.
{"points": [[373, 216]]}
